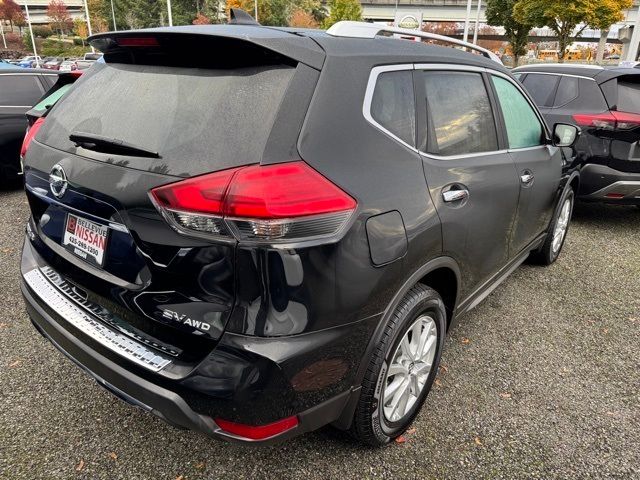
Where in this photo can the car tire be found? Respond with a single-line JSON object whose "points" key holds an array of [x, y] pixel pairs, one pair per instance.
{"points": [[421, 310], [548, 253]]}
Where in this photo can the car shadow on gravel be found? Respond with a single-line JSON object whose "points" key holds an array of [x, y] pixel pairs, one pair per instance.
{"points": [[605, 215]]}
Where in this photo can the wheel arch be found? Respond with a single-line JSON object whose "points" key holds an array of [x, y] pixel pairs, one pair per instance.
{"points": [[440, 274]]}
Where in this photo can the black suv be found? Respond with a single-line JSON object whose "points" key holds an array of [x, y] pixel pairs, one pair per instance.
{"points": [[605, 103], [20, 89], [277, 235]]}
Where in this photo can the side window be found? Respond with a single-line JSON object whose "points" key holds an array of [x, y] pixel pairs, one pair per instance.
{"points": [[460, 119], [393, 104], [567, 91], [523, 126], [541, 88], [19, 90]]}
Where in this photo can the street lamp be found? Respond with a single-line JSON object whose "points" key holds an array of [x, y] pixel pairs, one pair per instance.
{"points": [[33, 40], [466, 21], [113, 15], [475, 30], [169, 12]]}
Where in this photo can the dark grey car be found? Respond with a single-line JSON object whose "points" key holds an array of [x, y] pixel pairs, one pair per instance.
{"points": [[605, 103], [274, 230]]}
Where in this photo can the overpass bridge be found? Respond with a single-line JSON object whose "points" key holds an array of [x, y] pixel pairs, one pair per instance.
{"points": [[456, 11]]}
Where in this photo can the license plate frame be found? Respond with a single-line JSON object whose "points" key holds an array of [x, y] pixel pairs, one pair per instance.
{"points": [[86, 239]]}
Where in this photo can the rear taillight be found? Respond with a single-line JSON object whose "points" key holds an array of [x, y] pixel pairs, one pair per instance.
{"points": [[258, 432], [282, 203], [608, 120], [29, 135]]}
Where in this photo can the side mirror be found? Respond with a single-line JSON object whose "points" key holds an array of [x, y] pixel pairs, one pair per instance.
{"points": [[565, 135]]}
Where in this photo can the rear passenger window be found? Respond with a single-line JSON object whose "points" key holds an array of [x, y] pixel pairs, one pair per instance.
{"points": [[629, 94], [393, 105], [523, 126], [567, 91], [460, 119], [541, 88], [19, 90]]}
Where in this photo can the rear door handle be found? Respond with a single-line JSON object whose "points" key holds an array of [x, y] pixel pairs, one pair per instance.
{"points": [[455, 195]]}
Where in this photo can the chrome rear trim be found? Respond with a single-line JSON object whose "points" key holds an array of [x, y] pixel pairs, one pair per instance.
{"points": [[101, 333]]}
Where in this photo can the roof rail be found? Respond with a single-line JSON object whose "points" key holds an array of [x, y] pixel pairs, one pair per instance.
{"points": [[371, 30]]}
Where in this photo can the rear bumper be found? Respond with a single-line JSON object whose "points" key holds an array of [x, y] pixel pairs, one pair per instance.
{"points": [[245, 379], [599, 183]]}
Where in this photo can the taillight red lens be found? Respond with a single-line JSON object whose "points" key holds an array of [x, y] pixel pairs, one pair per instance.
{"points": [[285, 190], [29, 135], [608, 120], [204, 194], [626, 121], [284, 201], [259, 432]]}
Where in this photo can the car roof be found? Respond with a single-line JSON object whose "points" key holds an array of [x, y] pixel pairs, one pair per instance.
{"points": [[599, 73], [311, 46], [27, 71]]}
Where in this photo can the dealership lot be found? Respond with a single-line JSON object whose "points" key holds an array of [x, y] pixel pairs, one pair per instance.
{"points": [[542, 380]]}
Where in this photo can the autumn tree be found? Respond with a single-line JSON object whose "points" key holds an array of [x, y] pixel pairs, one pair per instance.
{"points": [[9, 10], [493, 45], [605, 14], [342, 10], [59, 16], [19, 20], [567, 18], [440, 28], [80, 29], [500, 13], [302, 19], [201, 20]]}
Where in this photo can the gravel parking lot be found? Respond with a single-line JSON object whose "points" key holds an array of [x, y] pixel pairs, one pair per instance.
{"points": [[542, 380]]}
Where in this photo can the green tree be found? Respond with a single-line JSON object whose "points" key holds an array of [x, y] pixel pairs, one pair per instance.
{"points": [[342, 10], [564, 17], [500, 14], [80, 29], [605, 14]]}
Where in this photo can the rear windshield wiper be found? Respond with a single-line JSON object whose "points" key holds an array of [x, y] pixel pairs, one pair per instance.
{"points": [[98, 143]]}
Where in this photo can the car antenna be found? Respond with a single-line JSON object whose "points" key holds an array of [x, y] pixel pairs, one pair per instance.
{"points": [[240, 17]]}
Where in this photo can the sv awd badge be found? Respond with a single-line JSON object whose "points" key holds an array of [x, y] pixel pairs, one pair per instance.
{"points": [[183, 319]]}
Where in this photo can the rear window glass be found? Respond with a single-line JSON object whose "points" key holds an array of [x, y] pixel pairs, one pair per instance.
{"points": [[50, 100], [628, 95], [567, 91], [541, 88], [196, 119], [19, 90]]}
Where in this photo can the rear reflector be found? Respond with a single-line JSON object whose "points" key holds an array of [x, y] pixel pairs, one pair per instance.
{"points": [[284, 202], [608, 120], [259, 432], [615, 195], [29, 135]]}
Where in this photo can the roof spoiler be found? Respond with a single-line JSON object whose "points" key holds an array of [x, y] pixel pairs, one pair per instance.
{"points": [[372, 30]]}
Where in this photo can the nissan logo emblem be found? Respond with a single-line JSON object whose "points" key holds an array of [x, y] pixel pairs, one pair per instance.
{"points": [[58, 181]]}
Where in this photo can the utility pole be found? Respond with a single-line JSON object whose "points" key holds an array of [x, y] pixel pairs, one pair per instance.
{"points": [[4, 41], [395, 15], [86, 13], [632, 51], [466, 22], [255, 9], [33, 40], [113, 15], [475, 30], [169, 12]]}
